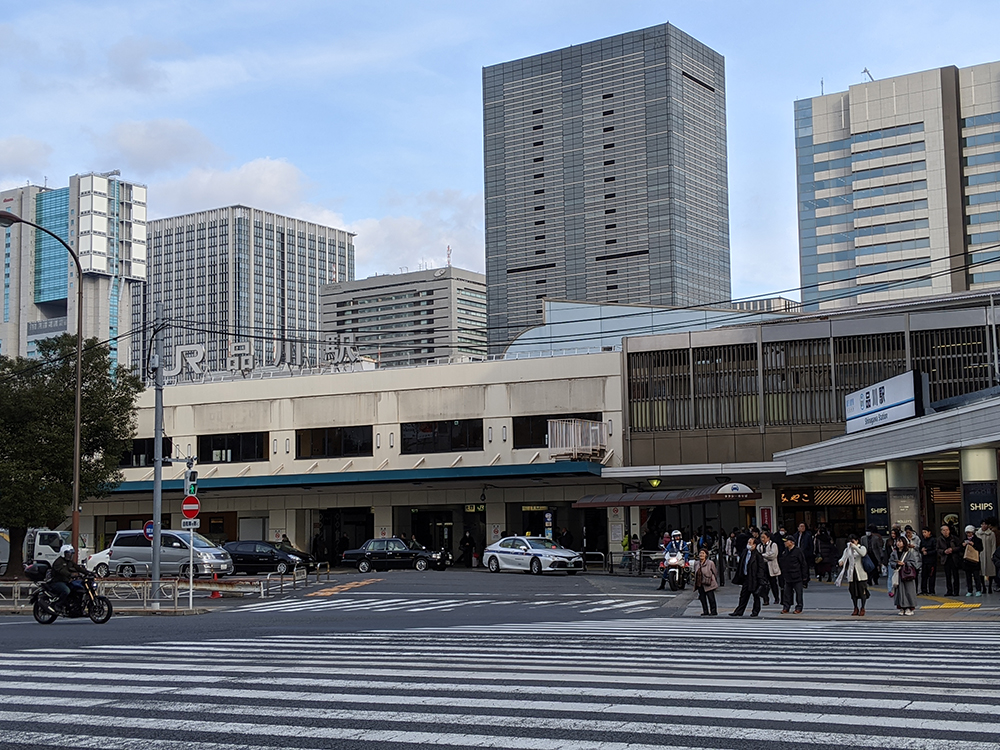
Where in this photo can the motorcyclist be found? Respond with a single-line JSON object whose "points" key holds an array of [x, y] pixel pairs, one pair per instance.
{"points": [[63, 569], [676, 546]]}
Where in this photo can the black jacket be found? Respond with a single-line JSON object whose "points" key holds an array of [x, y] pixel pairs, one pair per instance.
{"points": [[793, 566], [756, 575], [63, 569], [953, 543], [928, 551]]}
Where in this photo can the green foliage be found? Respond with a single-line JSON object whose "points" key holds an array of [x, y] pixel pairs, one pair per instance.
{"points": [[37, 409]]}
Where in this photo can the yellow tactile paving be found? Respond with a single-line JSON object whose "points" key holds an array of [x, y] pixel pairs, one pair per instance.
{"points": [[344, 587]]}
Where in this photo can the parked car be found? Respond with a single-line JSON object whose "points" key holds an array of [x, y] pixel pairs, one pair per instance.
{"points": [[394, 553], [131, 554], [99, 562], [532, 554], [264, 557]]}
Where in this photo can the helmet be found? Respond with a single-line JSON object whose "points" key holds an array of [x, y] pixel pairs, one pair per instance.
{"points": [[66, 549], [675, 534]]}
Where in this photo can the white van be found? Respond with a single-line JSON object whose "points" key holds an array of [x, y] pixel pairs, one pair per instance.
{"points": [[131, 554]]}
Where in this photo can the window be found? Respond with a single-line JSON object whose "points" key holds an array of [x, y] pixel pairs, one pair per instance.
{"points": [[441, 437], [609, 195], [394, 545], [142, 452], [533, 431], [610, 226], [333, 442], [609, 162], [610, 210], [540, 174], [537, 127], [609, 145], [538, 159], [538, 143], [607, 96], [609, 129], [236, 447], [607, 112], [536, 111], [540, 223], [539, 236], [540, 192], [609, 179]]}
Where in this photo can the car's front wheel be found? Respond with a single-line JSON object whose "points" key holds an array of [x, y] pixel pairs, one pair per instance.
{"points": [[536, 566], [126, 571], [493, 564], [281, 568], [420, 564], [102, 570], [364, 566]]}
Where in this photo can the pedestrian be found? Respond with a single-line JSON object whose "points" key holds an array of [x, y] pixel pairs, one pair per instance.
{"points": [[769, 551], [804, 541], [566, 539], [466, 547], [753, 577], [928, 561], [825, 552], [949, 551], [853, 570], [794, 571], [972, 551], [626, 560], [904, 563], [706, 581], [988, 537], [912, 538], [874, 544]]}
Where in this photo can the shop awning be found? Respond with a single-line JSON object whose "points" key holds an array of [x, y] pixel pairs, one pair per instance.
{"points": [[713, 493]]}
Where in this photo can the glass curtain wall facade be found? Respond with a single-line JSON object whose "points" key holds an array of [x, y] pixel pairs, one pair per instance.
{"points": [[606, 177], [897, 191], [241, 275]]}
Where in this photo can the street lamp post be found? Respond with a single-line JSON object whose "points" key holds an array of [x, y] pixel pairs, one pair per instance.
{"points": [[8, 219]]}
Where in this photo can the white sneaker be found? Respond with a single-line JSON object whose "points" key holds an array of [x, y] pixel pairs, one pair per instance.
{"points": [[901, 612], [909, 612]]}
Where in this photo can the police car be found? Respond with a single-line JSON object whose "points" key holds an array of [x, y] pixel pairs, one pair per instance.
{"points": [[532, 554]]}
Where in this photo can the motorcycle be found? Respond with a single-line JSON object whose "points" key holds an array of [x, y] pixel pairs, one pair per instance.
{"points": [[83, 599], [678, 570]]}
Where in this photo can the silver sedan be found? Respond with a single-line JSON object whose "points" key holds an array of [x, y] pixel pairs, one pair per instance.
{"points": [[531, 554]]}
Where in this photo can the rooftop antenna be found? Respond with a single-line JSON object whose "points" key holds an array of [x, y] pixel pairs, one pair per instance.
{"points": [[868, 73], [449, 256], [821, 92]]}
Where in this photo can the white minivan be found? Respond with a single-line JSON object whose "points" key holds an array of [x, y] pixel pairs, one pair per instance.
{"points": [[131, 554]]}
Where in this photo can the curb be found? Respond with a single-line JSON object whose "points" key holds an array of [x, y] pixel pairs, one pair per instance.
{"points": [[131, 611]]}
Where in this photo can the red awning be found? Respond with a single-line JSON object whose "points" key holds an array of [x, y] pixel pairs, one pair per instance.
{"points": [[714, 493]]}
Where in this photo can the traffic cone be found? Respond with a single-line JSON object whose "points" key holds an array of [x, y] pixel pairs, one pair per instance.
{"points": [[215, 594]]}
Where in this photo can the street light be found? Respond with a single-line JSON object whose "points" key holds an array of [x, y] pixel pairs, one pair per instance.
{"points": [[8, 219]]}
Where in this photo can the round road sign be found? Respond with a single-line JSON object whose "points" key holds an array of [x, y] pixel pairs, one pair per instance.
{"points": [[147, 530], [190, 507]]}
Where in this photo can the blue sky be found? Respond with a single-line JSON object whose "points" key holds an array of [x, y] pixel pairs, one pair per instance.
{"points": [[368, 115]]}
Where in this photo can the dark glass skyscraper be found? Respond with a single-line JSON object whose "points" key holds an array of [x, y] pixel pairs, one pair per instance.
{"points": [[605, 177]]}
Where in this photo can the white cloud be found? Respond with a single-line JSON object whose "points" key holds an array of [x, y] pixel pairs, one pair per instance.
{"points": [[22, 157], [270, 184], [151, 146], [421, 232]]}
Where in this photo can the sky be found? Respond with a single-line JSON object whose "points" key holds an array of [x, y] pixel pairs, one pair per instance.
{"points": [[367, 115]]}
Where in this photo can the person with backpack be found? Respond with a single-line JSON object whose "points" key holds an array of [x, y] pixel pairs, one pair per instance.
{"points": [[949, 551], [873, 543], [904, 563]]}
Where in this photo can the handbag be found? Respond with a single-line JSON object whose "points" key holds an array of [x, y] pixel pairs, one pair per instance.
{"points": [[818, 559], [868, 564], [908, 572], [971, 554]]}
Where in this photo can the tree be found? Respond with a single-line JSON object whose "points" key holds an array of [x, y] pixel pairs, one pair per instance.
{"points": [[37, 411]]}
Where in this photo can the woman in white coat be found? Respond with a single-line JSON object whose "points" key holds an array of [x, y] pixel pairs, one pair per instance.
{"points": [[989, 539], [852, 570], [769, 551]]}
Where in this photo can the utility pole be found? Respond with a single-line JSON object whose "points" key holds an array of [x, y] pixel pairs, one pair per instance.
{"points": [[157, 365]]}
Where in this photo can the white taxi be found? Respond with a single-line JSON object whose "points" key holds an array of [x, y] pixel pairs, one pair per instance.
{"points": [[532, 554]]}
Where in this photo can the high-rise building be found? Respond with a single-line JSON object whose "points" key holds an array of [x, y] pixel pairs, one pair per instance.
{"points": [[606, 177], [899, 187], [239, 275], [410, 318], [103, 218]]}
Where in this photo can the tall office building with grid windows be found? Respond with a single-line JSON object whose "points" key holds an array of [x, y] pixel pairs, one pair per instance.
{"points": [[606, 177], [103, 218], [242, 275], [899, 187]]}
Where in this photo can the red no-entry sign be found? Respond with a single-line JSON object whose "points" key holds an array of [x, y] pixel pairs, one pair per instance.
{"points": [[190, 507]]}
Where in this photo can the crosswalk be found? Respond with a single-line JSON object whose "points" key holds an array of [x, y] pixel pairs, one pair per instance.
{"points": [[621, 684], [346, 602]]}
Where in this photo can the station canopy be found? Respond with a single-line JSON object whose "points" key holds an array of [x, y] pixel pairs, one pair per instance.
{"points": [[712, 493]]}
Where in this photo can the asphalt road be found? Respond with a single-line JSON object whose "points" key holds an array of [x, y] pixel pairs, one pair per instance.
{"points": [[469, 659]]}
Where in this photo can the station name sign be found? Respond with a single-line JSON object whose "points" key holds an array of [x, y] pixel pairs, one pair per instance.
{"points": [[886, 402]]}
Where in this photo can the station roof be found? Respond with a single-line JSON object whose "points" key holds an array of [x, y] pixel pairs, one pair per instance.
{"points": [[712, 493]]}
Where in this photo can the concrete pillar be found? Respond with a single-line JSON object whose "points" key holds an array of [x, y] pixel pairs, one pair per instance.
{"points": [[383, 521], [496, 520], [979, 485], [633, 519], [876, 498], [903, 481], [766, 509]]}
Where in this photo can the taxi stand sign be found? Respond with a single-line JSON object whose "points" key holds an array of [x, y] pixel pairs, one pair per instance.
{"points": [[888, 401]]}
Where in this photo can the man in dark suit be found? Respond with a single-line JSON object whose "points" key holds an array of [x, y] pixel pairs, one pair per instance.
{"points": [[794, 571], [752, 574], [804, 541]]}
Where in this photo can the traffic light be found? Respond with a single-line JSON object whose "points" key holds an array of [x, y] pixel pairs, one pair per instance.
{"points": [[191, 482]]}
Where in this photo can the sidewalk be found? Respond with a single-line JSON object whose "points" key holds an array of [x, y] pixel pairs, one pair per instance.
{"points": [[826, 601]]}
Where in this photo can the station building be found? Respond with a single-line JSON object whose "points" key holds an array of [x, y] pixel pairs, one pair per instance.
{"points": [[430, 451]]}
